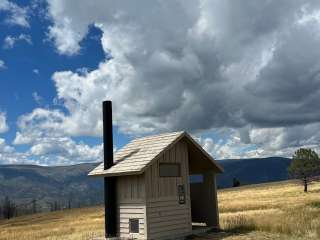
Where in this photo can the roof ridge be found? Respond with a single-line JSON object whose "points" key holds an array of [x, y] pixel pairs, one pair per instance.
{"points": [[159, 135]]}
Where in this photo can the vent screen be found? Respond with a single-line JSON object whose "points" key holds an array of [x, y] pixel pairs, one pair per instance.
{"points": [[134, 225]]}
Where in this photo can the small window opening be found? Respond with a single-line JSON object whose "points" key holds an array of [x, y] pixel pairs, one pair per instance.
{"points": [[134, 225], [169, 170]]}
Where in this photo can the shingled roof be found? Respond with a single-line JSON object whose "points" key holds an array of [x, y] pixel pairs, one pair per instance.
{"points": [[137, 155]]}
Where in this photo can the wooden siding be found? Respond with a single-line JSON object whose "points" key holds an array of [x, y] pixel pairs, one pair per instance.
{"points": [[165, 216], [127, 211], [131, 204], [131, 189]]}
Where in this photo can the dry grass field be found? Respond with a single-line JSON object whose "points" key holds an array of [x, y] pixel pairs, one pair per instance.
{"points": [[271, 211], [257, 212]]}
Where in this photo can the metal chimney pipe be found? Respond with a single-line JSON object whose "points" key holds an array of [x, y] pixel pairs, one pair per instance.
{"points": [[109, 182]]}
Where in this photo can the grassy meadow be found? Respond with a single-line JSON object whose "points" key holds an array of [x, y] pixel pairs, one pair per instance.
{"points": [[256, 212]]}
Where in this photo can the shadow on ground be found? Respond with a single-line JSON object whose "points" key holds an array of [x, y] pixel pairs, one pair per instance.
{"points": [[237, 235], [220, 235]]}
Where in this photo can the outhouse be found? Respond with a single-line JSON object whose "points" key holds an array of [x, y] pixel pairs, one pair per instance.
{"points": [[165, 186]]}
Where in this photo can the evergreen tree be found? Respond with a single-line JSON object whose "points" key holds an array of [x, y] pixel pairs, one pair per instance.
{"points": [[34, 206], [305, 166], [69, 203], [235, 182], [56, 206], [8, 209]]}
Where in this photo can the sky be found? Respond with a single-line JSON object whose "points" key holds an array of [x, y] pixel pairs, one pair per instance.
{"points": [[243, 77]]}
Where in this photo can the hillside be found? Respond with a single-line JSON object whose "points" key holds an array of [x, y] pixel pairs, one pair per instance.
{"points": [[261, 170], [22, 183], [287, 213]]}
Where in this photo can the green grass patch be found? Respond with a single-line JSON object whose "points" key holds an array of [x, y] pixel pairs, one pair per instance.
{"points": [[315, 204]]}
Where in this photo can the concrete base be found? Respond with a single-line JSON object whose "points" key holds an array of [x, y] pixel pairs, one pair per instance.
{"points": [[103, 238], [201, 230]]}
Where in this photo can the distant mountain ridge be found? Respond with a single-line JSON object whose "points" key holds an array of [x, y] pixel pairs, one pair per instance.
{"points": [[253, 170], [22, 183]]}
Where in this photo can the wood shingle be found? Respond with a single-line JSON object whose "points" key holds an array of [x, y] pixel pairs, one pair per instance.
{"points": [[137, 155]]}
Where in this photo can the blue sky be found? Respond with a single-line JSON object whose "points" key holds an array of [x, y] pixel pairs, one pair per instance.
{"points": [[29, 67], [237, 80], [26, 81]]}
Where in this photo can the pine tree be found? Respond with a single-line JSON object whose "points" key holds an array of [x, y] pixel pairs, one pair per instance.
{"points": [[69, 203], [304, 166], [8, 209], [235, 182], [34, 206]]}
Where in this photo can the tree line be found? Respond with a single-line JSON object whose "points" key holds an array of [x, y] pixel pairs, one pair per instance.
{"points": [[9, 208]]}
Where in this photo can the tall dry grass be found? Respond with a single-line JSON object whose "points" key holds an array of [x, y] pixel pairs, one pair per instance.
{"points": [[275, 208], [74, 224]]}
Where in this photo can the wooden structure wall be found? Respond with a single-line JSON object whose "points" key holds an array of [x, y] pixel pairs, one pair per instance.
{"points": [[165, 216], [131, 204]]}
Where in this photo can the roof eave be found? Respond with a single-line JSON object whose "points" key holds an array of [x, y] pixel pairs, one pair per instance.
{"points": [[117, 174]]}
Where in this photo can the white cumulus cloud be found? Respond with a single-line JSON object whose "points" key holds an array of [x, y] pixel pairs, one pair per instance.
{"points": [[200, 69], [37, 98], [3, 122], [10, 41], [49, 145], [249, 67], [62, 151], [2, 64], [16, 15]]}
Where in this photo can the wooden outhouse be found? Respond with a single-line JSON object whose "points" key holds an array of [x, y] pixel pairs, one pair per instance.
{"points": [[165, 187]]}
